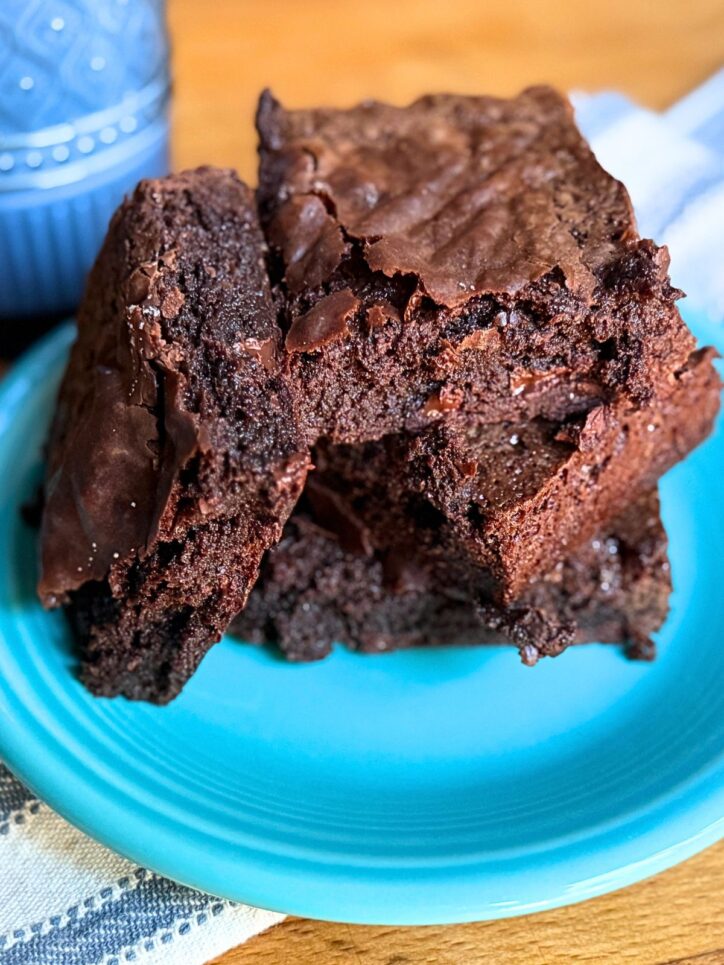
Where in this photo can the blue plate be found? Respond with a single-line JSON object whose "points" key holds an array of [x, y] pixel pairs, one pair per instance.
{"points": [[408, 788]]}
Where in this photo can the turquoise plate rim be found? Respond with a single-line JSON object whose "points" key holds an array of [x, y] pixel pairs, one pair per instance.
{"points": [[297, 880]]}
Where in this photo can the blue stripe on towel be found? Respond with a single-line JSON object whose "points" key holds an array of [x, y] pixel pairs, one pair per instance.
{"points": [[13, 795], [150, 913]]}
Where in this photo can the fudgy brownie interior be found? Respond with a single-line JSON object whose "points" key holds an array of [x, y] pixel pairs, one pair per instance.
{"points": [[320, 586], [412, 551]]}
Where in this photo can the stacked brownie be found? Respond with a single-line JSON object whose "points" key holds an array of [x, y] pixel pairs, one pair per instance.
{"points": [[447, 311]]}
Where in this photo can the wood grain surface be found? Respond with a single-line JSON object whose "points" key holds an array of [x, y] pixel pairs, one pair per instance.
{"points": [[338, 51], [676, 917]]}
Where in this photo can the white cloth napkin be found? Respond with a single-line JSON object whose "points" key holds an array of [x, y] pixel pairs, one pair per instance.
{"points": [[65, 900], [673, 167]]}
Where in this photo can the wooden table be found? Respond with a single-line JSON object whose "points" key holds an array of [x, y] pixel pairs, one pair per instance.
{"points": [[312, 51]]}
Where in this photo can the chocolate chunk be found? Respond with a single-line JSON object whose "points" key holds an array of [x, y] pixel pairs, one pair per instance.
{"points": [[140, 282], [403, 571], [380, 313], [528, 382], [448, 399], [265, 351], [487, 339], [535, 631], [323, 324]]}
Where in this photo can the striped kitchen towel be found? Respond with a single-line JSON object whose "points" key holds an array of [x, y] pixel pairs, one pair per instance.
{"points": [[65, 900]]}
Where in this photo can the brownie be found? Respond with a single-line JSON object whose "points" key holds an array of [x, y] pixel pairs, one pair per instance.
{"points": [[459, 254], [175, 456], [512, 498], [357, 494], [317, 589], [450, 310], [521, 495]]}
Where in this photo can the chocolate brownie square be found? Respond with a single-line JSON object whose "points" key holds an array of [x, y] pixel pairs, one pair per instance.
{"points": [[522, 495], [461, 253], [357, 493], [516, 498], [174, 458]]}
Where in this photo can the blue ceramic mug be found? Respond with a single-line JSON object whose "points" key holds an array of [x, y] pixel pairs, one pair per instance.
{"points": [[84, 92]]}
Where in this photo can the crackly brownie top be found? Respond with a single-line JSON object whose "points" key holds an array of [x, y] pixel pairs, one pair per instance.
{"points": [[176, 358], [471, 195]]}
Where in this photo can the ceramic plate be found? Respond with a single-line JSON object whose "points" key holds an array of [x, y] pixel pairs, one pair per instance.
{"points": [[418, 787]]}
